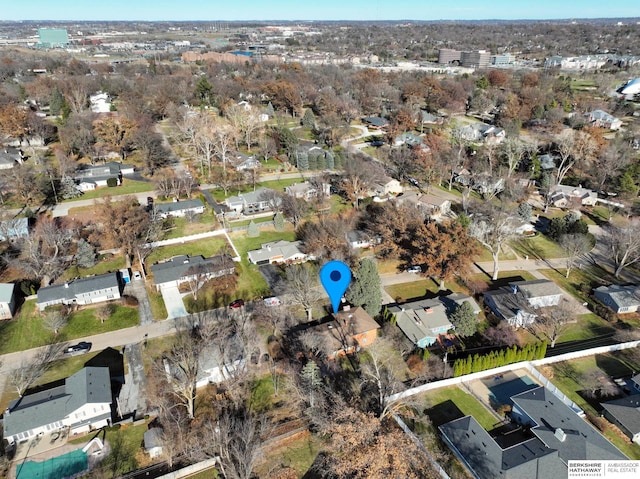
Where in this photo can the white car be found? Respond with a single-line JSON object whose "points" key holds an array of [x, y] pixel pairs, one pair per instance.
{"points": [[414, 269], [272, 301]]}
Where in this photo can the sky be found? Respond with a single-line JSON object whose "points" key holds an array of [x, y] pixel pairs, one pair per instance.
{"points": [[206, 10]]}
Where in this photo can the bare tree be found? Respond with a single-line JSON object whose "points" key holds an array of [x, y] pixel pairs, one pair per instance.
{"points": [[182, 364], [302, 285], [573, 147], [294, 209], [553, 321], [597, 384], [493, 229], [623, 242], [29, 371], [576, 246], [55, 319], [105, 311], [513, 150]]}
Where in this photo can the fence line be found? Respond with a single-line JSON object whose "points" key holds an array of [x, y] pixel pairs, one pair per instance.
{"points": [[416, 440]]}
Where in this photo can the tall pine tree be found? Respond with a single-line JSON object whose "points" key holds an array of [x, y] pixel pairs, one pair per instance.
{"points": [[366, 291]]}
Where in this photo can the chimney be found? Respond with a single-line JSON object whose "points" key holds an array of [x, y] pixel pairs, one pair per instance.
{"points": [[560, 434]]}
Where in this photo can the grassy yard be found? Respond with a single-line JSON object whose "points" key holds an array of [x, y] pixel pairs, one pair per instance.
{"points": [[588, 326], [182, 227], [485, 255], [579, 282], [567, 376], [297, 453], [128, 187], [27, 330], [538, 246], [158, 308], [206, 247], [264, 219], [244, 244], [446, 404], [106, 264], [504, 277], [277, 185], [420, 288]]}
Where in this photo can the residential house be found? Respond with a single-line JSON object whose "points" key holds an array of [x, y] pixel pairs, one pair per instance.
{"points": [[564, 196], [376, 122], [635, 383], [91, 177], [180, 269], [100, 103], [306, 190], [432, 206], [481, 132], [251, 202], [547, 162], [10, 157], [152, 439], [217, 366], [359, 239], [242, 162], [7, 300], [279, 252], [517, 302], [429, 118], [621, 299], [558, 435], [14, 228], [83, 403], [94, 289], [349, 330], [602, 119], [454, 300], [180, 208], [385, 186], [422, 321], [625, 413], [408, 138]]}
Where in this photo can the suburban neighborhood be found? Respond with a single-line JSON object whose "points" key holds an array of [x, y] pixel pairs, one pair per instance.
{"points": [[170, 191]]}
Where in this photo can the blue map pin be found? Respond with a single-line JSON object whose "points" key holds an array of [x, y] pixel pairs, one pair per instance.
{"points": [[335, 276]]}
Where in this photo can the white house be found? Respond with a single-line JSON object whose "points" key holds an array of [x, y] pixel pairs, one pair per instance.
{"points": [[386, 186], [251, 202], [152, 439], [91, 177], [180, 269], [7, 300], [100, 103], [94, 289], [621, 299], [279, 252], [306, 190], [180, 208], [83, 403], [564, 196], [602, 119]]}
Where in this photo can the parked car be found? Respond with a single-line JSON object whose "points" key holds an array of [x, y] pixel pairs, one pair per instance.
{"points": [[137, 275], [80, 348], [416, 269], [236, 303]]}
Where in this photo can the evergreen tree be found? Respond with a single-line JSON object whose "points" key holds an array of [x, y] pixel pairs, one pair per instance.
{"points": [[302, 160], [252, 230], [464, 320], [309, 119], [56, 102], [86, 254], [329, 160], [68, 188], [203, 91], [278, 221], [366, 291], [311, 380], [270, 111], [524, 211]]}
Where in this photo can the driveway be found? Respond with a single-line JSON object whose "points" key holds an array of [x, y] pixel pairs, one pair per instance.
{"points": [[173, 302], [132, 395], [137, 289]]}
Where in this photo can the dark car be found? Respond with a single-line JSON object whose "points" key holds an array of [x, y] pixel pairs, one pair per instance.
{"points": [[80, 348], [235, 304]]}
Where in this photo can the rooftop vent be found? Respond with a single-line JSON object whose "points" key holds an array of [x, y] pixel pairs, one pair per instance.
{"points": [[560, 434]]}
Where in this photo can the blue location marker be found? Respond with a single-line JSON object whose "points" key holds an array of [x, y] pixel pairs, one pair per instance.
{"points": [[335, 276]]}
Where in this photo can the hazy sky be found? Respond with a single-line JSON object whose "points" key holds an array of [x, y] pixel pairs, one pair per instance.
{"points": [[314, 9]]}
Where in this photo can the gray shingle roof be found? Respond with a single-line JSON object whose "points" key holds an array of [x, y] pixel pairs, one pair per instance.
{"points": [[177, 267], [77, 287], [620, 296], [537, 288], [582, 441], [283, 249], [626, 410], [89, 385], [179, 205]]}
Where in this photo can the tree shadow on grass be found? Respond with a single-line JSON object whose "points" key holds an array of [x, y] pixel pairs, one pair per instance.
{"points": [[443, 413]]}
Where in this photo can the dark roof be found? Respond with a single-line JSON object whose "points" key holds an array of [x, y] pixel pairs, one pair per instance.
{"points": [[179, 205], [77, 287], [176, 267], [583, 441], [537, 288], [530, 459], [89, 385], [375, 121], [626, 410]]}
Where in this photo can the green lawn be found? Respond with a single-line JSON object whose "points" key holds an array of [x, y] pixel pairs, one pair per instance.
{"points": [[539, 246], [27, 331], [158, 308], [588, 326], [420, 288], [485, 255], [264, 219], [128, 187], [106, 264], [580, 281], [182, 227], [277, 185], [504, 277], [446, 404], [298, 453], [206, 247]]}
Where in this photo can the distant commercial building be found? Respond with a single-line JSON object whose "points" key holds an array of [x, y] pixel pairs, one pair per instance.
{"points": [[502, 60], [448, 55], [52, 38], [477, 59]]}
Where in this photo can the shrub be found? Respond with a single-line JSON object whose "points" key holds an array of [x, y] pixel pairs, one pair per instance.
{"points": [[111, 182], [129, 301]]}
